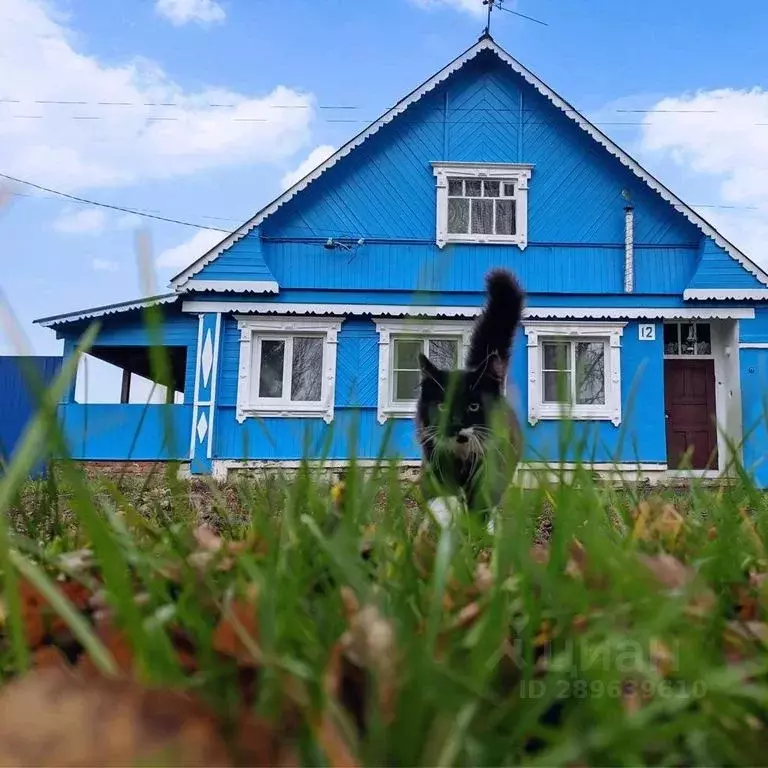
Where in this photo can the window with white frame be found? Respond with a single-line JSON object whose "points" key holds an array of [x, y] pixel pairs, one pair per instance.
{"points": [[287, 367], [574, 370], [482, 203], [687, 339], [400, 343]]}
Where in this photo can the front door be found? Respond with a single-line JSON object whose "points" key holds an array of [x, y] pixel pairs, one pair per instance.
{"points": [[689, 403]]}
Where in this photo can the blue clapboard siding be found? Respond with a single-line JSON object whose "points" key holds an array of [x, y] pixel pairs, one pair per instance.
{"points": [[463, 299], [640, 437], [246, 263], [541, 268], [20, 378], [127, 432], [716, 269]]}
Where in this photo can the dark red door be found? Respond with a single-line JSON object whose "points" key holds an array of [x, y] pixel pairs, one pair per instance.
{"points": [[689, 402]]}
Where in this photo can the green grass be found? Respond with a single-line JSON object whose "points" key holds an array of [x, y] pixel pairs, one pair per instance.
{"points": [[589, 629], [540, 676]]}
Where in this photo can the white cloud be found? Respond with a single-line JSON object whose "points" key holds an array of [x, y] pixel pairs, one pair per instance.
{"points": [[721, 141], [317, 156], [81, 222], [43, 143], [475, 7], [104, 265], [180, 12], [184, 254]]}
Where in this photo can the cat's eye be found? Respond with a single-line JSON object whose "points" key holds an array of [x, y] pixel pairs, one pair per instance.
{"points": [[441, 407], [473, 407]]}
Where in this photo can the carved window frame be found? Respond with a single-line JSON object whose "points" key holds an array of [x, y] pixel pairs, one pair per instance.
{"points": [[610, 334], [254, 328]]}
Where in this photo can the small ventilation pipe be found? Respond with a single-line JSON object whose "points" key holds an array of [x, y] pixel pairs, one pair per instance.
{"points": [[629, 254]]}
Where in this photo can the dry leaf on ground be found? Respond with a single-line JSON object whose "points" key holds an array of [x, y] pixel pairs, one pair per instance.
{"points": [[369, 643], [237, 633], [53, 717]]}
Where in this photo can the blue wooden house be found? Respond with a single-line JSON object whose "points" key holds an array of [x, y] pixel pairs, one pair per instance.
{"points": [[297, 335]]}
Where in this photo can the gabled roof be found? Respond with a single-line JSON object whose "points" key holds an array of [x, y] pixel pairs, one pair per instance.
{"points": [[107, 309], [485, 43]]}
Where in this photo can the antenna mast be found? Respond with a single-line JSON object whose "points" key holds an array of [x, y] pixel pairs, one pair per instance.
{"points": [[487, 30]]}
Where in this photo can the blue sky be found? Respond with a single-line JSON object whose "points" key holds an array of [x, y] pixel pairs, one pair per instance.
{"points": [[215, 166]]}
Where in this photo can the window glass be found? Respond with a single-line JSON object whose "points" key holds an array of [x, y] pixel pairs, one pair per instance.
{"points": [[271, 368]]}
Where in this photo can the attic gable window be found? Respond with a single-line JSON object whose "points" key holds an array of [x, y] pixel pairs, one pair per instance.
{"points": [[482, 203]]}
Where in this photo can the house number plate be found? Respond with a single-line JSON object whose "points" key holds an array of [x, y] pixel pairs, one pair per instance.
{"points": [[647, 332]]}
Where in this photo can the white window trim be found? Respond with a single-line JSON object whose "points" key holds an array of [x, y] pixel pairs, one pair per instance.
{"points": [[611, 410], [277, 326], [694, 355], [520, 173], [387, 328]]}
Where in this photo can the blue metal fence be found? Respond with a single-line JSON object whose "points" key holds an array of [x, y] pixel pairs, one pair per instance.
{"points": [[17, 398]]}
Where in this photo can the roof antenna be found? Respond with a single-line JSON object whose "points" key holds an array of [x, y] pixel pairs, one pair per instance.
{"points": [[487, 30]]}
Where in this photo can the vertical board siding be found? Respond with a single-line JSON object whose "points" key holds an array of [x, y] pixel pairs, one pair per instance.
{"points": [[229, 361], [754, 400], [127, 432], [19, 398], [357, 363], [663, 270], [755, 330]]}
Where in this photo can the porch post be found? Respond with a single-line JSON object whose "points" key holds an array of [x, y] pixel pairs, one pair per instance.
{"points": [[69, 350], [204, 404], [125, 387]]}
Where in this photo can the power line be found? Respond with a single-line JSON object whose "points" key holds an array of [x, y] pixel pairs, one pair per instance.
{"points": [[122, 209], [521, 15], [183, 222], [347, 107], [320, 234]]}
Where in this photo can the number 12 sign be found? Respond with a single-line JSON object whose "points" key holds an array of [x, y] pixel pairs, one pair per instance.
{"points": [[646, 332]]}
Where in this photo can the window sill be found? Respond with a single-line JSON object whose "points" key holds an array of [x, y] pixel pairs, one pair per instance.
{"points": [[285, 411], [518, 240], [562, 413], [404, 411]]}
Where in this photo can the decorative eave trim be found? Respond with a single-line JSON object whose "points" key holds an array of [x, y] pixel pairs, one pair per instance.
{"points": [[231, 286], [402, 310], [108, 309], [485, 43], [734, 294]]}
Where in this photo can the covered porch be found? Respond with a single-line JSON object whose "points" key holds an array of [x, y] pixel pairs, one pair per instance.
{"points": [[137, 407]]}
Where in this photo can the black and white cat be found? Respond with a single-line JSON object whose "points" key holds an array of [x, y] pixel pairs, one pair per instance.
{"points": [[461, 413]]}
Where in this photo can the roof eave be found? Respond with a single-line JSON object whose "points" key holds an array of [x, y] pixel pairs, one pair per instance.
{"points": [[107, 309]]}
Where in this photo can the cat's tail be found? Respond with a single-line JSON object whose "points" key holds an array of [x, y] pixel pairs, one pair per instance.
{"points": [[495, 328]]}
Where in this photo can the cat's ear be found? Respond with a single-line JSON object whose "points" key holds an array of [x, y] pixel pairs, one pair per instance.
{"points": [[428, 369]]}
